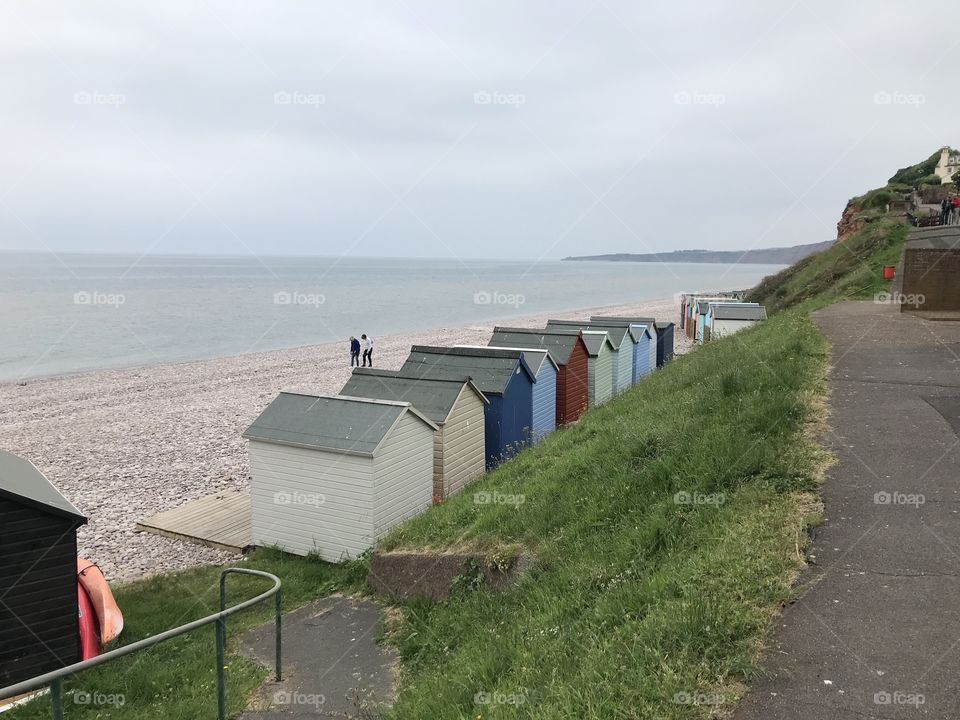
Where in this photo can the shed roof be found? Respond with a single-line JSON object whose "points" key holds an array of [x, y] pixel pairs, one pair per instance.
{"points": [[560, 344], [490, 369], [534, 356], [433, 396], [616, 331], [663, 325], [648, 322], [339, 423], [22, 482], [740, 312]]}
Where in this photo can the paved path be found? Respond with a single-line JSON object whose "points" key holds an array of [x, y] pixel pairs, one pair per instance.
{"points": [[332, 664], [878, 633]]}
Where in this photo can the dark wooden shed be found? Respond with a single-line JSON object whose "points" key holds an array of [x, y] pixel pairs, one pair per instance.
{"points": [[38, 554], [664, 343], [572, 357]]}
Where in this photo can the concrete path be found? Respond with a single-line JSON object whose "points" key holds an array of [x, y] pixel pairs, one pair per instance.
{"points": [[877, 635], [332, 664]]}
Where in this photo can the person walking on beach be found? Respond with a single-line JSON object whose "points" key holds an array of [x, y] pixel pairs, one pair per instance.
{"points": [[955, 211], [354, 351], [367, 350], [945, 207]]}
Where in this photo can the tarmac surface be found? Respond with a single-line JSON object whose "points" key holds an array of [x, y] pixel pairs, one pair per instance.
{"points": [[877, 632], [332, 666]]}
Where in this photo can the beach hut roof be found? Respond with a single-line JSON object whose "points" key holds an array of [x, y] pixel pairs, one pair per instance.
{"points": [[648, 322], [595, 340], [341, 423], [560, 344], [663, 325], [535, 357], [433, 396], [23, 483], [740, 312], [617, 330], [490, 369]]}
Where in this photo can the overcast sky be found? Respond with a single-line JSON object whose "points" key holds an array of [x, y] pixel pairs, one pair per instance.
{"points": [[460, 129]]}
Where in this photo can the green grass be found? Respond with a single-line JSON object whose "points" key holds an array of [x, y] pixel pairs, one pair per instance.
{"points": [[848, 270], [177, 679], [634, 598]]}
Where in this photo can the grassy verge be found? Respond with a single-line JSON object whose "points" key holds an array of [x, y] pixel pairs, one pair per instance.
{"points": [[177, 679], [667, 527]]}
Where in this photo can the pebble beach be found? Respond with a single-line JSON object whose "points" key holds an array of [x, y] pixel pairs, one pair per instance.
{"points": [[123, 445]]}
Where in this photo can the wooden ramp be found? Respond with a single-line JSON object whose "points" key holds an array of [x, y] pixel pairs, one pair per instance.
{"points": [[219, 521]]}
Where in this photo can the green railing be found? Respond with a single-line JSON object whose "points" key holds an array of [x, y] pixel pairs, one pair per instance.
{"points": [[55, 678]]}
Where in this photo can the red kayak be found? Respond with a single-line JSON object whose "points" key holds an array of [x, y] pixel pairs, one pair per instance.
{"points": [[89, 628], [100, 618]]}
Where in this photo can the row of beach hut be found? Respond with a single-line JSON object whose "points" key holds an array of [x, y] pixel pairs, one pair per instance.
{"points": [[333, 474], [714, 315]]}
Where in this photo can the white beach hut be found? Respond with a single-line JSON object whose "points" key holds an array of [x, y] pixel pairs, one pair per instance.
{"points": [[333, 474]]}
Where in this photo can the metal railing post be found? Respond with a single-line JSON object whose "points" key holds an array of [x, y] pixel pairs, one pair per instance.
{"points": [[56, 698], [221, 633], [278, 623]]}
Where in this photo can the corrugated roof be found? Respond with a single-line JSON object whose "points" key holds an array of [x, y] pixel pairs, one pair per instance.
{"points": [[739, 312], [663, 325], [22, 482], [535, 357], [560, 344], [490, 369], [329, 422], [434, 397]]}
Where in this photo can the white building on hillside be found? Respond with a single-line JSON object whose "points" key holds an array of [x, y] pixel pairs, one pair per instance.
{"points": [[948, 164]]}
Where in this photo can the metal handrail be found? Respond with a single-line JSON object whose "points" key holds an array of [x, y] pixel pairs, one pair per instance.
{"points": [[55, 678]]}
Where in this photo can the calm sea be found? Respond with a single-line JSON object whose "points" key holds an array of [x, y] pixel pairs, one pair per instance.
{"points": [[85, 312]]}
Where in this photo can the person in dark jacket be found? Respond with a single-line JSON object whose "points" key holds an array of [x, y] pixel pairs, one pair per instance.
{"points": [[945, 207], [354, 351]]}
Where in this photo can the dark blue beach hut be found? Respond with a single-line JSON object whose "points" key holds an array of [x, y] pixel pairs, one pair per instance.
{"points": [[504, 378], [545, 371]]}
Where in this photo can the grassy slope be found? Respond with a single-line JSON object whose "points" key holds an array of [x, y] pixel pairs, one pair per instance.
{"points": [[851, 269], [634, 599]]}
